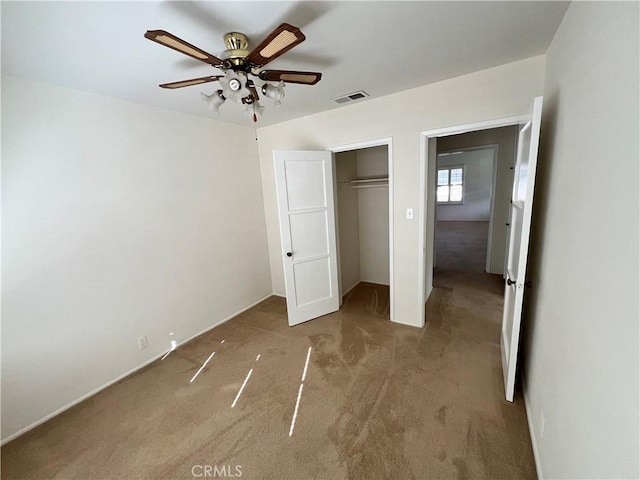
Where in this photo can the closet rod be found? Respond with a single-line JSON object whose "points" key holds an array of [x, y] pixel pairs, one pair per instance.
{"points": [[371, 185], [370, 180]]}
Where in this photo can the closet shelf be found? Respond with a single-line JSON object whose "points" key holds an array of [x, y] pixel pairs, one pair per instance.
{"points": [[369, 182]]}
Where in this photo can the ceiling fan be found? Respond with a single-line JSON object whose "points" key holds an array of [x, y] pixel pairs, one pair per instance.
{"points": [[238, 63]]}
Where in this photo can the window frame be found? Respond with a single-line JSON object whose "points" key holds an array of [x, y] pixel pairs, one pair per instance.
{"points": [[449, 168]]}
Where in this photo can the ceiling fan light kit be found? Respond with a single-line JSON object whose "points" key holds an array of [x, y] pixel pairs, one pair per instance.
{"points": [[214, 100], [239, 63], [274, 93], [234, 86]]}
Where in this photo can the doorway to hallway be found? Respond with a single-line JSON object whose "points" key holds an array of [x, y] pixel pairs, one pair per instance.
{"points": [[518, 223], [466, 211]]}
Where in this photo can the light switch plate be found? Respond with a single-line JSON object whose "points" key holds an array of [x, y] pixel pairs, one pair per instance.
{"points": [[409, 213]]}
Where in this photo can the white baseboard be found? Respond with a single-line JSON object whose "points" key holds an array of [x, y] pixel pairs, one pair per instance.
{"points": [[345, 292], [532, 432], [120, 377], [375, 283], [479, 220], [407, 324], [351, 288]]}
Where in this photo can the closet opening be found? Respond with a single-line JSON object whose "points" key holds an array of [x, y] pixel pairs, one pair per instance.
{"points": [[363, 228]]}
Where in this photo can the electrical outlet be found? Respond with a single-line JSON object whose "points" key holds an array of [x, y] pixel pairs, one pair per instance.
{"points": [[541, 424], [143, 342]]}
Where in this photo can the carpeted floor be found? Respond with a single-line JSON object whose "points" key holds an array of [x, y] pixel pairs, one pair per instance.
{"points": [[379, 400]]}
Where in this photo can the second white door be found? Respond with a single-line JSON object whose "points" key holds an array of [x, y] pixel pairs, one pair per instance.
{"points": [[520, 220]]}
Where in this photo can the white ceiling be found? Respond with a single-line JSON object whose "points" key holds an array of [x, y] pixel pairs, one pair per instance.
{"points": [[378, 47]]}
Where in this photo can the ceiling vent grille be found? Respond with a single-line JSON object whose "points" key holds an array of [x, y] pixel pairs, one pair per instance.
{"points": [[351, 97]]}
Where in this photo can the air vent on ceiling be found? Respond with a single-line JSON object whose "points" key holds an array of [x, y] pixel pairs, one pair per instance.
{"points": [[351, 97]]}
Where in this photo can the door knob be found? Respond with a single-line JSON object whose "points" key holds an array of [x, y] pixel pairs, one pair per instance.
{"points": [[289, 254], [510, 282]]}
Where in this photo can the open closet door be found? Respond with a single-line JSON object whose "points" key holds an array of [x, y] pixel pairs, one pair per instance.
{"points": [[521, 205], [304, 185]]}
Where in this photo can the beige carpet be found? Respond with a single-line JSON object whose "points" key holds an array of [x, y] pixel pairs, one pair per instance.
{"points": [[379, 400]]}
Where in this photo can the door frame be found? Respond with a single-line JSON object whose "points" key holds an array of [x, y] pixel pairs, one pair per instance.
{"points": [[388, 141], [426, 219]]}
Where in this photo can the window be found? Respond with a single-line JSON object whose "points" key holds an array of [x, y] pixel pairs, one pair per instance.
{"points": [[450, 184]]}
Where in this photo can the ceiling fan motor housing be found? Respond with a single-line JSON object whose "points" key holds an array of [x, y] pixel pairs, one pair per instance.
{"points": [[237, 48]]}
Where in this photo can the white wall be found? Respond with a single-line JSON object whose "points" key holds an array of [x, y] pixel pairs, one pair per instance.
{"points": [[505, 139], [373, 211], [477, 179], [581, 323], [348, 216], [119, 220], [498, 92]]}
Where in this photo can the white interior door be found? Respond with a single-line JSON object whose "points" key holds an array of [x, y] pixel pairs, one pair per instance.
{"points": [[304, 185], [520, 220]]}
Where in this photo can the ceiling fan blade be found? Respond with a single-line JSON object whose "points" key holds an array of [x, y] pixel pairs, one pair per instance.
{"points": [[290, 76], [280, 41], [169, 40], [193, 81]]}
